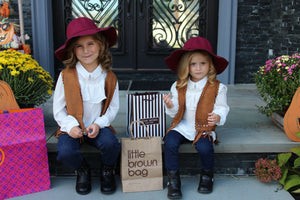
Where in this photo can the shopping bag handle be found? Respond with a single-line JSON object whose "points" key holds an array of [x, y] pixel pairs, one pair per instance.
{"points": [[141, 122]]}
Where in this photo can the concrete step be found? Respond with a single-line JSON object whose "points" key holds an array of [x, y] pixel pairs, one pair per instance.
{"points": [[246, 136], [245, 131]]}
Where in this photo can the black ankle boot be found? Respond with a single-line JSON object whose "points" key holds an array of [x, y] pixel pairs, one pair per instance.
{"points": [[206, 181], [174, 185], [108, 182], [83, 182]]}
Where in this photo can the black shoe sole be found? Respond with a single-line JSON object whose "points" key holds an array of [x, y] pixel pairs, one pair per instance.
{"points": [[108, 192], [204, 192], [83, 193], [174, 197]]}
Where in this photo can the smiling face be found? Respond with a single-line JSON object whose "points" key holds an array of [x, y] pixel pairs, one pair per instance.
{"points": [[87, 52], [199, 66], [6, 33]]}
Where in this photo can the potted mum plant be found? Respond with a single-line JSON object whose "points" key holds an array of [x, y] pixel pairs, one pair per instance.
{"points": [[276, 82], [31, 84]]}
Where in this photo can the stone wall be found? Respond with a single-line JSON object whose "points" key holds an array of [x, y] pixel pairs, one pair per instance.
{"points": [[265, 29]]}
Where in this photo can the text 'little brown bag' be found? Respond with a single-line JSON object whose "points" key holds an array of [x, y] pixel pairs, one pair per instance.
{"points": [[141, 162]]}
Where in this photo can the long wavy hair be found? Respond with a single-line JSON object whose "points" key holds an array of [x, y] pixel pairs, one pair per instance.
{"points": [[104, 58], [183, 68]]}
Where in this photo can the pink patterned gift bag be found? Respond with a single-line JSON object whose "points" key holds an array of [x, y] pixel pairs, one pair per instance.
{"points": [[24, 165]]}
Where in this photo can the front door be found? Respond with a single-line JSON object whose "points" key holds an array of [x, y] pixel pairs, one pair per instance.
{"points": [[148, 30]]}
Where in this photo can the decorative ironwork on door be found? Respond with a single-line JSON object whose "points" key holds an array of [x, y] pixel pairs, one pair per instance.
{"points": [[148, 30], [175, 21], [103, 12]]}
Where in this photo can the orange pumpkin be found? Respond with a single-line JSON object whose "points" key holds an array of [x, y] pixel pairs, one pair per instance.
{"points": [[7, 97], [291, 120]]}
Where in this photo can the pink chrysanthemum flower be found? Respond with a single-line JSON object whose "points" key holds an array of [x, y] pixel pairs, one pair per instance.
{"points": [[266, 170]]}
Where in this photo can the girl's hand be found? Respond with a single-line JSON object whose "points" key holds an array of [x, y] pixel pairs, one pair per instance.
{"points": [[76, 132], [213, 119], [93, 130], [168, 101]]}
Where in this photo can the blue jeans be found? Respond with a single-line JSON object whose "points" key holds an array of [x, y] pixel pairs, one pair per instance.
{"points": [[203, 146], [68, 148]]}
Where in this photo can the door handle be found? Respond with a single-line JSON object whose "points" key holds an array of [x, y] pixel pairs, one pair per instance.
{"points": [[141, 14], [128, 8]]}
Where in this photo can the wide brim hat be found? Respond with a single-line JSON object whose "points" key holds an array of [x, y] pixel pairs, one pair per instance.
{"points": [[84, 26], [196, 44]]}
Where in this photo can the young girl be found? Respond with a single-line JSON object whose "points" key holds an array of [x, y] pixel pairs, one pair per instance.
{"points": [[86, 101], [198, 105]]}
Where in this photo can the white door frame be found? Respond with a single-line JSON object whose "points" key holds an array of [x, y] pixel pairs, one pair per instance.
{"points": [[227, 37]]}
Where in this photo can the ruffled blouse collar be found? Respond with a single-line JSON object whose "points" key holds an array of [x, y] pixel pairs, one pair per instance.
{"points": [[91, 84], [197, 85], [89, 75]]}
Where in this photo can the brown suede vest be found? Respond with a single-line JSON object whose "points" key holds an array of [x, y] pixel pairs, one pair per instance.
{"points": [[204, 106], [74, 103]]}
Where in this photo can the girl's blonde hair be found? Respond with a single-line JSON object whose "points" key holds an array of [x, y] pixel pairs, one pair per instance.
{"points": [[183, 68], [104, 58]]}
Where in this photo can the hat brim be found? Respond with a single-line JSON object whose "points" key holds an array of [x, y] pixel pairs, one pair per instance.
{"points": [[109, 33], [172, 61]]}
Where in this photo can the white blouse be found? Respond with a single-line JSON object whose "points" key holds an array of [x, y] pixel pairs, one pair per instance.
{"points": [[186, 127], [93, 93]]}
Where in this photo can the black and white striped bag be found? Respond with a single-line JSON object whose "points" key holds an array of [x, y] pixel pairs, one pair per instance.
{"points": [[149, 108]]}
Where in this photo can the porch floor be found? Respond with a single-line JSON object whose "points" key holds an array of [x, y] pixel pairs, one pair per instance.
{"points": [[225, 188]]}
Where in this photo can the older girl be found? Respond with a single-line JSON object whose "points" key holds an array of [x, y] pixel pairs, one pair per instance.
{"points": [[86, 101]]}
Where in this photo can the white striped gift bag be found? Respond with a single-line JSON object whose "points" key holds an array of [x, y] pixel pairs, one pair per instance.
{"points": [[149, 108]]}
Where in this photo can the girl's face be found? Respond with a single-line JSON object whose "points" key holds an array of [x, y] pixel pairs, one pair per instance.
{"points": [[87, 52], [198, 67]]}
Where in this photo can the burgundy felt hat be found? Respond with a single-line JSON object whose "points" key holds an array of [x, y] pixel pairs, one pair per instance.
{"points": [[84, 26], [193, 44]]}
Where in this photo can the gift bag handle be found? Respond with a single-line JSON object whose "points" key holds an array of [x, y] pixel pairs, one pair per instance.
{"points": [[141, 122]]}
